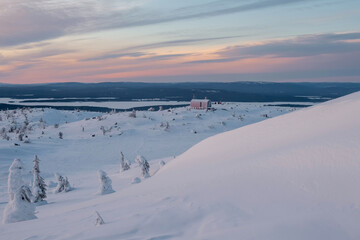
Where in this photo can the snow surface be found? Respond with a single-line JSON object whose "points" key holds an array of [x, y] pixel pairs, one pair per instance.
{"points": [[79, 151], [295, 176]]}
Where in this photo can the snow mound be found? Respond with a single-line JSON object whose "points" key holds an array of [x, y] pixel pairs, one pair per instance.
{"points": [[291, 177]]}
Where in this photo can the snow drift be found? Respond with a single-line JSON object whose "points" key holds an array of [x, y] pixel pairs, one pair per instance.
{"points": [[292, 177], [296, 176]]}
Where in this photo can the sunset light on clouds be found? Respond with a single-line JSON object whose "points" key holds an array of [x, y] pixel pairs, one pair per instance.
{"points": [[175, 41]]}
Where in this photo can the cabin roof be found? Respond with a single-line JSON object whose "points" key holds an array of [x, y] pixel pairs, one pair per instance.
{"points": [[200, 100]]}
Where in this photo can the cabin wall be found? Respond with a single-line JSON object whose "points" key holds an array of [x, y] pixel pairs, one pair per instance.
{"points": [[200, 104]]}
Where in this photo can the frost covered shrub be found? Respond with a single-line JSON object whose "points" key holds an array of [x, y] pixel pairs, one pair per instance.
{"points": [[105, 183], [145, 167], [123, 165], [39, 186], [63, 184], [20, 207], [99, 220], [165, 125], [15, 178], [136, 180], [132, 114], [161, 163]]}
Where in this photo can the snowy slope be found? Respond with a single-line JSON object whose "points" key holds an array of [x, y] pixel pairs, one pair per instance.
{"points": [[85, 148], [295, 176]]}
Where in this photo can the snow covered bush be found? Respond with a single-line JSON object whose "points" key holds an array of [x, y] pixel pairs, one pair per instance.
{"points": [[39, 186], [20, 207], [63, 184], [105, 183], [165, 125], [104, 130], [20, 137], [15, 178], [136, 180], [132, 114], [99, 220], [161, 163], [123, 165], [145, 167]]}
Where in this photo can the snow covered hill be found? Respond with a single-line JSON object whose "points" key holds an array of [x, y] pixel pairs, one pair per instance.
{"points": [[295, 176]]}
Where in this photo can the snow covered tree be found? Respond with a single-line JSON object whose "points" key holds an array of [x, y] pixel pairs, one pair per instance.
{"points": [[132, 114], [136, 180], [124, 165], [15, 178], [99, 219], [63, 184], [145, 167], [20, 137], [20, 208], [39, 186], [162, 163], [105, 183]]}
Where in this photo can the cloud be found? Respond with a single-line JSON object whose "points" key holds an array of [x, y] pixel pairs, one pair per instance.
{"points": [[24, 22], [3, 61], [303, 46], [140, 56], [212, 9], [114, 55], [179, 42], [313, 75], [221, 60], [33, 45]]}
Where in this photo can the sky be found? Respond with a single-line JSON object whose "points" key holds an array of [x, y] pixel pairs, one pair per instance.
{"points": [[45, 41]]}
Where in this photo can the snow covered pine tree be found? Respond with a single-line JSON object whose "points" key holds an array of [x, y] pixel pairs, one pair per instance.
{"points": [[20, 208], [63, 184], [105, 183], [15, 178], [39, 186], [124, 165], [145, 167]]}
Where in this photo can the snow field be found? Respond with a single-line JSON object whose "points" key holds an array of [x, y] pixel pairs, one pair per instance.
{"points": [[202, 194]]}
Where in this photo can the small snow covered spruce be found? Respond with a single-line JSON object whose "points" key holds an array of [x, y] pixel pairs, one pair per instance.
{"points": [[20, 208], [136, 180], [63, 184], [15, 178], [124, 165], [161, 163], [99, 220], [39, 186], [132, 114], [105, 183], [145, 167]]}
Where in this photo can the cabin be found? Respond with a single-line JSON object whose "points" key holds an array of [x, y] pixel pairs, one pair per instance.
{"points": [[200, 103]]}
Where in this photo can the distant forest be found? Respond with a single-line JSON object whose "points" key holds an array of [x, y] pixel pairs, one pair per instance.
{"points": [[231, 92]]}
